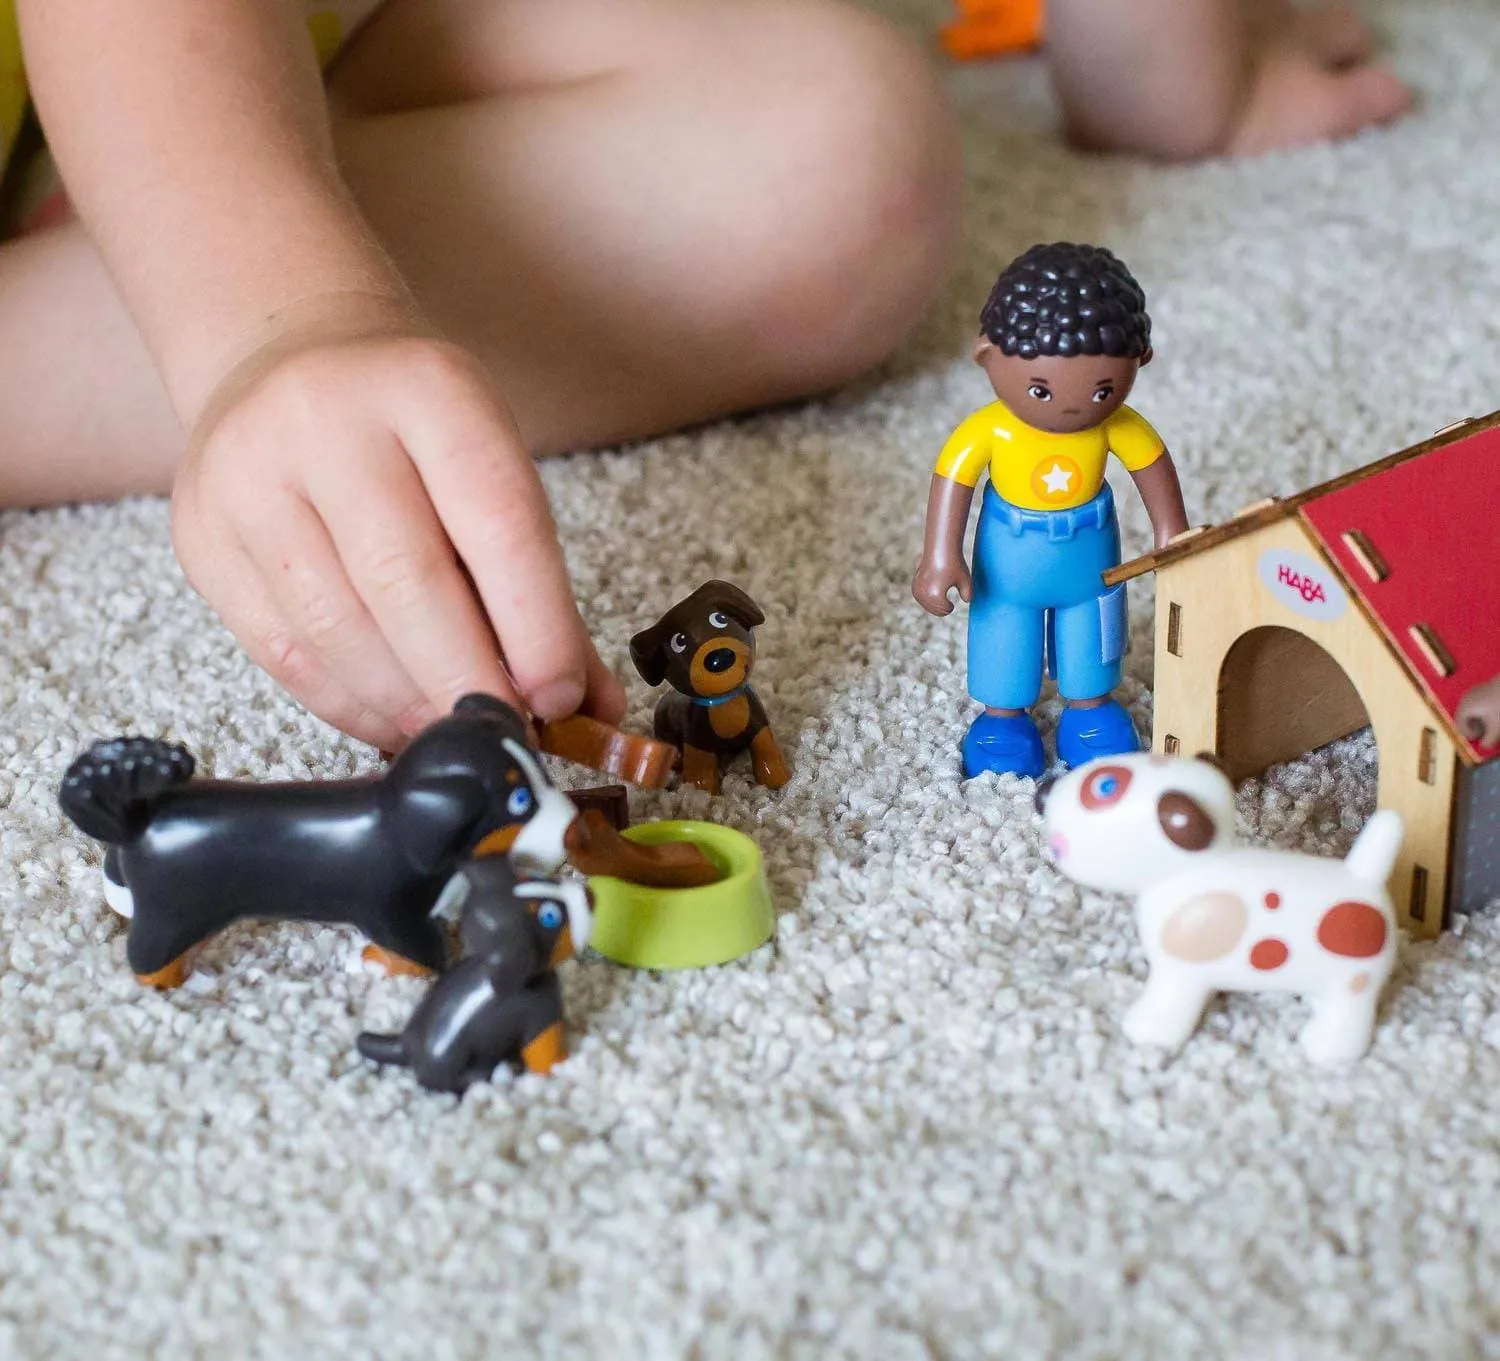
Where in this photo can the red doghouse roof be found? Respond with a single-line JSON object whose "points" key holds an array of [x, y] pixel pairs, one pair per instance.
{"points": [[1420, 543], [1417, 537]]}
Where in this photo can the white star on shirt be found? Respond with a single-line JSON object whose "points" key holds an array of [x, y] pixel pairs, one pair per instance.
{"points": [[1056, 479]]}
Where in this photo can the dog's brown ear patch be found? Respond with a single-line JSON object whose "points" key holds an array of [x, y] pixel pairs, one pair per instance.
{"points": [[1184, 821], [646, 653], [724, 595], [1211, 758]]}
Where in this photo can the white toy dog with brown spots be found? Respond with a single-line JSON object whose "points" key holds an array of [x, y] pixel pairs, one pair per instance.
{"points": [[1215, 916]]}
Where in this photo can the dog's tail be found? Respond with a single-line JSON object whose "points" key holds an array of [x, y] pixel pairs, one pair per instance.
{"points": [[1373, 855], [383, 1048], [108, 790]]}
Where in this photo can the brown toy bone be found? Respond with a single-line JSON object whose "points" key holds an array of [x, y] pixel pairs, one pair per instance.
{"points": [[627, 756], [594, 847], [608, 799], [704, 648]]}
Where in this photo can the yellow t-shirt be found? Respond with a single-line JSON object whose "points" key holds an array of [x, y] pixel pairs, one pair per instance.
{"points": [[1036, 470], [330, 22]]}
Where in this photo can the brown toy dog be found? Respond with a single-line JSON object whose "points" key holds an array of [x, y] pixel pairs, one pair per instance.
{"points": [[703, 647]]}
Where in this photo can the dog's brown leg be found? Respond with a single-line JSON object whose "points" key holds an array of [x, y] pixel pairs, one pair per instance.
{"points": [[394, 965], [770, 765], [172, 975], [700, 769], [545, 1052]]}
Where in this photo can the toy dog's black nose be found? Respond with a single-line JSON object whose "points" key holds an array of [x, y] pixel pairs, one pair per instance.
{"points": [[1043, 790], [720, 659]]}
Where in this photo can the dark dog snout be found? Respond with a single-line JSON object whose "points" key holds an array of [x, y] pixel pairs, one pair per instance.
{"points": [[720, 659], [1044, 792]]}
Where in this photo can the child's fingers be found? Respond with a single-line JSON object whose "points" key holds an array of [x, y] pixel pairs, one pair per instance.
{"points": [[312, 592], [605, 699], [222, 572], [492, 504], [403, 567]]}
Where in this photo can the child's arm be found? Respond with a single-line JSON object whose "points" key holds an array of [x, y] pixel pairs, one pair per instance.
{"points": [[339, 451]]}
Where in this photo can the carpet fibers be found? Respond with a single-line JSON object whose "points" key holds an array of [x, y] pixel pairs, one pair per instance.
{"points": [[911, 1127]]}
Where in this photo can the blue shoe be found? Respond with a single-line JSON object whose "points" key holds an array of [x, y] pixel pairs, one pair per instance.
{"points": [[1084, 735], [1007, 743]]}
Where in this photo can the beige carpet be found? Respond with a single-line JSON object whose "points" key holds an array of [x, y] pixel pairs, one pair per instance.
{"points": [[911, 1128]]}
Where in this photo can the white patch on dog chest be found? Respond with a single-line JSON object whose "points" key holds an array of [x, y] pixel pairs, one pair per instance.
{"points": [[118, 898]]}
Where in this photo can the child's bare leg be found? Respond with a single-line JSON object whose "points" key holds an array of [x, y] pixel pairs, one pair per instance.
{"points": [[642, 213], [1336, 34], [1190, 78]]}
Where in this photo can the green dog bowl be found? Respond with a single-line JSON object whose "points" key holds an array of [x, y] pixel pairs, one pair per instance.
{"points": [[686, 928]]}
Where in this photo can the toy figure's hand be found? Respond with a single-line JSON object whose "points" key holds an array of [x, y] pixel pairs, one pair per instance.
{"points": [[360, 510], [942, 568], [934, 580], [1479, 714]]}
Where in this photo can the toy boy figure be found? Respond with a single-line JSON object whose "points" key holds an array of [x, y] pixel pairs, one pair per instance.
{"points": [[1061, 337]]}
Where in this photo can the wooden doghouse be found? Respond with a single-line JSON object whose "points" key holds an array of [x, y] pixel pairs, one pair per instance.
{"points": [[1372, 599]]}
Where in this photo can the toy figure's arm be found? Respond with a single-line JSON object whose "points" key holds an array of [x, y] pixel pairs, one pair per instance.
{"points": [[943, 568], [1479, 714], [1162, 493]]}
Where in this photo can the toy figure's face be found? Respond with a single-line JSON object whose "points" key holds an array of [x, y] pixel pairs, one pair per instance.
{"points": [[1061, 394]]}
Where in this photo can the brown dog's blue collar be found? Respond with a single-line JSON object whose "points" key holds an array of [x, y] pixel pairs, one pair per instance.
{"points": [[719, 699]]}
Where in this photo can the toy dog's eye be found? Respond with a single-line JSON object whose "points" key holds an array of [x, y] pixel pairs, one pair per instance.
{"points": [[1039, 392], [1104, 392], [1104, 786], [519, 803], [678, 643], [550, 916], [719, 619]]}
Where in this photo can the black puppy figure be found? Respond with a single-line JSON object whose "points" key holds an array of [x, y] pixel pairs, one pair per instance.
{"points": [[501, 1002], [704, 648], [188, 857]]}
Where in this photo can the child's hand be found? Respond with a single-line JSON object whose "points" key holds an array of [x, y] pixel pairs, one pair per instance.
{"points": [[1479, 714], [335, 491]]}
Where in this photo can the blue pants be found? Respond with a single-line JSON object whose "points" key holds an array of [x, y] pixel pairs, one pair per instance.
{"points": [[1038, 598]]}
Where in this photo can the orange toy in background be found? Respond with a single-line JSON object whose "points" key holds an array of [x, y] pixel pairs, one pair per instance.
{"points": [[992, 28]]}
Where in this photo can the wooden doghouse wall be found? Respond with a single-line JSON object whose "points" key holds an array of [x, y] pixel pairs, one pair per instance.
{"points": [[1292, 698]]}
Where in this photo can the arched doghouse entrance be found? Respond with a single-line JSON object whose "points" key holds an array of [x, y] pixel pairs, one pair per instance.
{"points": [[1281, 695]]}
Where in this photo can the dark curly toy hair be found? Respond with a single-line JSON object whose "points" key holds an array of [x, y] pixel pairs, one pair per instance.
{"points": [[1067, 299]]}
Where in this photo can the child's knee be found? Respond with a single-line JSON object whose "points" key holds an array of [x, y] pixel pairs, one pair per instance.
{"points": [[863, 189]]}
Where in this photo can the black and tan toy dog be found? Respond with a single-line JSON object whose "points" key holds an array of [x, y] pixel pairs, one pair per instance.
{"points": [[704, 648], [188, 857], [501, 1003]]}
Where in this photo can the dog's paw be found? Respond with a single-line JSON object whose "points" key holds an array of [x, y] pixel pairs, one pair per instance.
{"points": [[1336, 1037], [1149, 1023]]}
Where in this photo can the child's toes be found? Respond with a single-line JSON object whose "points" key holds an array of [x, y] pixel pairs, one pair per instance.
{"points": [[1336, 35], [1295, 101]]}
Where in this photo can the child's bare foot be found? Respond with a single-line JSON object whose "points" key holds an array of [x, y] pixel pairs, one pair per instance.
{"points": [[1294, 98], [1185, 79], [1335, 34]]}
